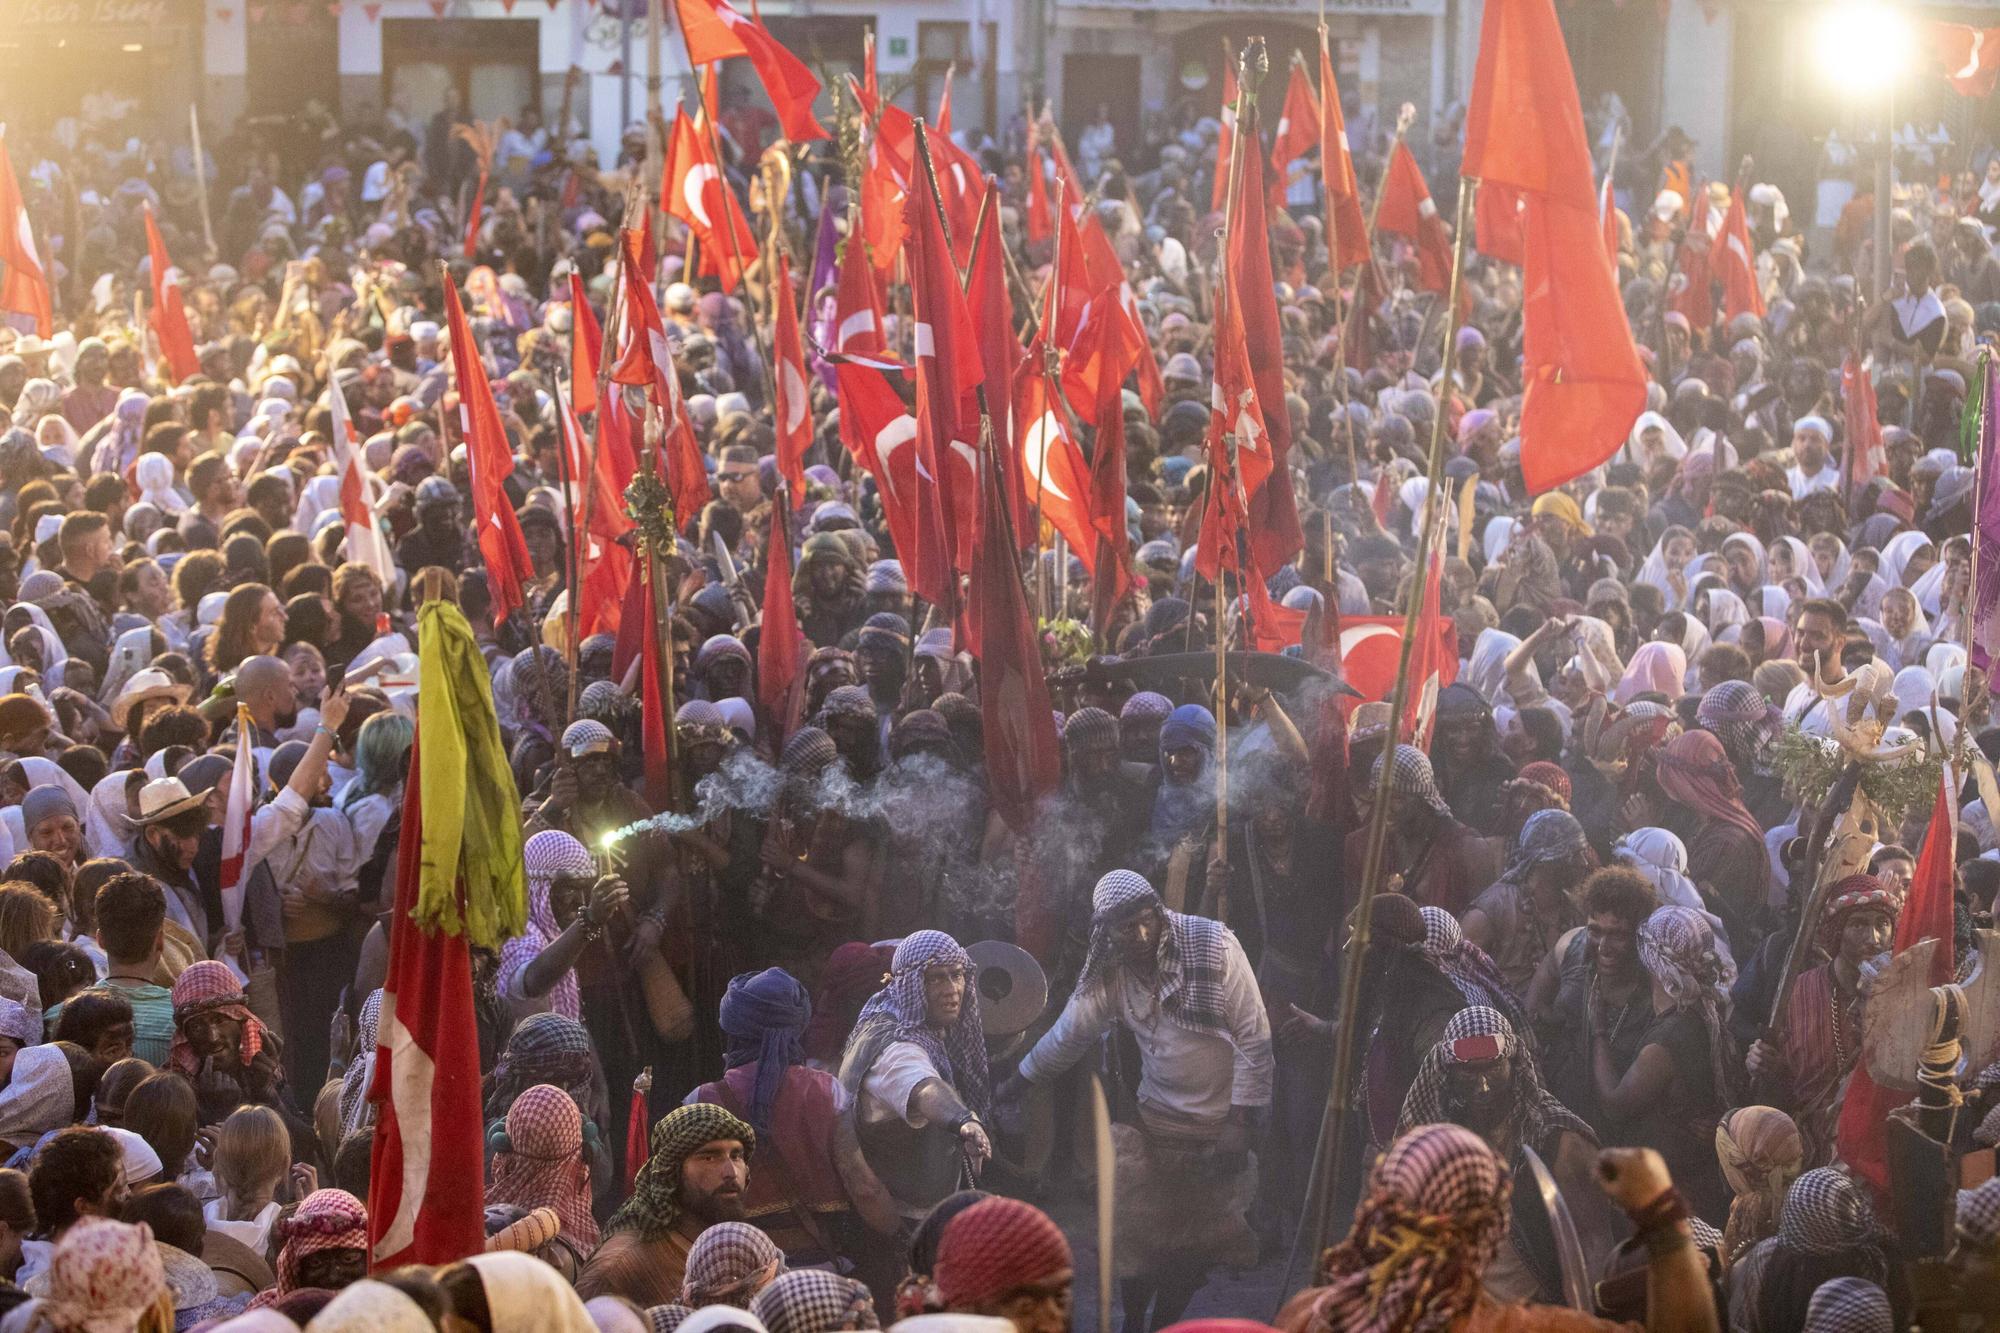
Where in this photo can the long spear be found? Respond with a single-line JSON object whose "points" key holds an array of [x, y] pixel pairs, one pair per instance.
{"points": [[1334, 1121]]}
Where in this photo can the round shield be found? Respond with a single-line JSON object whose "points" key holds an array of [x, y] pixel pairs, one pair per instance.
{"points": [[1013, 989]]}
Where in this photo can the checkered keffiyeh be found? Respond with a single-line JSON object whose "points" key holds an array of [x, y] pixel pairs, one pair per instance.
{"points": [[1411, 776], [667, 1318], [1825, 1213], [540, 1162], [544, 1048], [1433, 1217], [1538, 1119], [725, 1262], [1856, 893], [815, 1301], [548, 856], [210, 987], [1849, 1305], [1979, 1216], [1193, 959], [1475, 974], [1548, 836], [1677, 945], [995, 1246], [328, 1219], [655, 1204], [897, 1013], [103, 1277]]}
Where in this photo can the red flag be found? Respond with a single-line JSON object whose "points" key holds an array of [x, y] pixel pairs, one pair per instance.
{"points": [[1233, 412], [1040, 224], [1298, 130], [715, 30], [780, 654], [1691, 290], [1499, 223], [1969, 57], [426, 1180], [1734, 259], [693, 190], [1057, 480], [473, 216], [1343, 192], [999, 350], [880, 432], [792, 411], [1383, 498], [1111, 571], [949, 369], [586, 345], [169, 318], [1023, 756], [358, 490], [961, 184], [638, 1143], [857, 303], [943, 122], [644, 359], [1926, 915], [1263, 457], [886, 179], [1357, 336], [1406, 210], [24, 285], [1866, 458], [1524, 129], [604, 565], [505, 550], [1225, 139], [1430, 669], [1371, 648]]}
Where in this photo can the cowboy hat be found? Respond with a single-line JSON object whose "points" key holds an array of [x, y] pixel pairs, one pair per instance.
{"points": [[164, 798], [144, 686]]}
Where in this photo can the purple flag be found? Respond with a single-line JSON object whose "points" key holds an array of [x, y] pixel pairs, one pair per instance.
{"points": [[819, 290], [1985, 636]]}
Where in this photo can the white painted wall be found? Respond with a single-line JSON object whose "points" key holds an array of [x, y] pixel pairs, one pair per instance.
{"points": [[1695, 82]]}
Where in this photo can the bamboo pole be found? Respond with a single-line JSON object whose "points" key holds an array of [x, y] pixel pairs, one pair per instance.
{"points": [[1334, 1122]]}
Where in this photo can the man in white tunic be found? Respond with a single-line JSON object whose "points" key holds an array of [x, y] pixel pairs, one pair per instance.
{"points": [[1183, 988]]}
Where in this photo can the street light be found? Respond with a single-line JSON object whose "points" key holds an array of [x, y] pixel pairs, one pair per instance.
{"points": [[1865, 48]]}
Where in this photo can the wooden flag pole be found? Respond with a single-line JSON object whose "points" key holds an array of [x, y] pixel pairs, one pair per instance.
{"points": [[201, 179], [1333, 1124]]}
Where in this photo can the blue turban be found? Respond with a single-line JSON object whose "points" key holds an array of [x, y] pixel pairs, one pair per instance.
{"points": [[764, 1015], [1190, 724]]}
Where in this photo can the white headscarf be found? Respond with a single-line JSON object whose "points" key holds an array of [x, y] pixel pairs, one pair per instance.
{"points": [[40, 1096], [108, 826], [155, 474], [1843, 565], [1663, 858], [315, 498], [1654, 570], [1671, 443], [1915, 690], [1772, 600], [1725, 608], [1494, 541], [1486, 671], [1896, 555], [129, 656], [1804, 566], [1929, 587]]}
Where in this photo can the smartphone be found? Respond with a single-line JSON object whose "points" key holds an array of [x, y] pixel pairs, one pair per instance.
{"points": [[335, 674]]}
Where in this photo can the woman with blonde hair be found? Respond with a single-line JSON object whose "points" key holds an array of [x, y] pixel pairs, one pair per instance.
{"points": [[252, 1157], [26, 918]]}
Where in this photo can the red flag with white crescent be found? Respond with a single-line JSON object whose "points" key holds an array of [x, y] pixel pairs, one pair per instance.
{"points": [[793, 410], [169, 316], [504, 547], [881, 433], [1052, 466], [716, 30], [24, 284], [693, 190], [359, 491]]}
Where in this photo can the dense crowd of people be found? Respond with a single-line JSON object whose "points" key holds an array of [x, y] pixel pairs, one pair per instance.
{"points": [[1605, 961]]}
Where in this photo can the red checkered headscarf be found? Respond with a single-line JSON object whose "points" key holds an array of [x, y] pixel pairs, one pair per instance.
{"points": [[996, 1246], [210, 987], [538, 1161], [327, 1220]]}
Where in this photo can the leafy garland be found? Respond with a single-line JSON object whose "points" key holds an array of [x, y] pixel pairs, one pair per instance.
{"points": [[1066, 642], [1810, 765], [650, 505]]}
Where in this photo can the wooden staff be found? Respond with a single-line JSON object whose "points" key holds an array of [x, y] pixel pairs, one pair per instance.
{"points": [[201, 179], [1333, 1123], [572, 552]]}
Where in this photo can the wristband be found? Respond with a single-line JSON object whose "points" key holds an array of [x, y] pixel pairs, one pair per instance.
{"points": [[321, 729], [1666, 1209]]}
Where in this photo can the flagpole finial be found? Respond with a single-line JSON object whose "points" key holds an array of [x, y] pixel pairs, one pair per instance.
{"points": [[1251, 67]]}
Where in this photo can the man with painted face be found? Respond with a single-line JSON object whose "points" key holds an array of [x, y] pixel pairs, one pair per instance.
{"points": [[1430, 855], [1182, 987], [828, 590], [851, 718], [220, 1046], [1481, 1075], [1473, 772], [882, 659], [1809, 1064], [437, 539], [1593, 982], [1524, 914]]}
